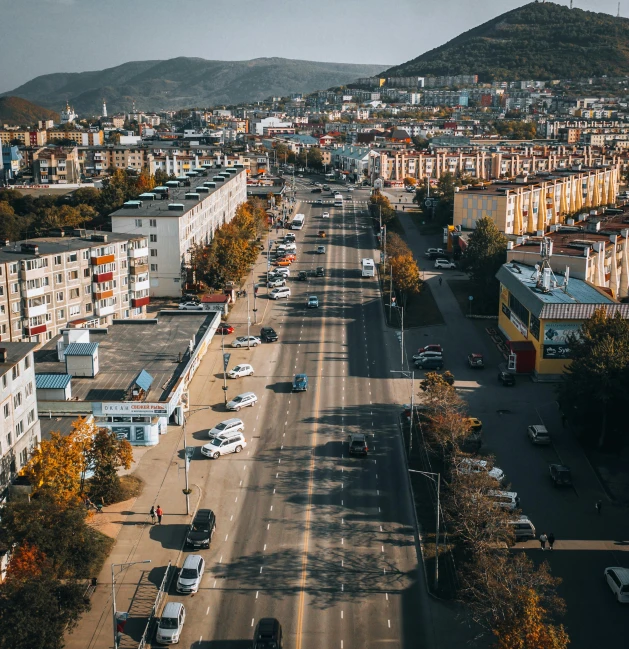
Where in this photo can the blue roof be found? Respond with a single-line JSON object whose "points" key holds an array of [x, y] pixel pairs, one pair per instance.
{"points": [[143, 380], [81, 349], [52, 381]]}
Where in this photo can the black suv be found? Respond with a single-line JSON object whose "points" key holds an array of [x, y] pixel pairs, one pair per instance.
{"points": [[357, 444], [202, 529], [506, 378], [320, 272], [560, 475], [268, 334], [268, 634]]}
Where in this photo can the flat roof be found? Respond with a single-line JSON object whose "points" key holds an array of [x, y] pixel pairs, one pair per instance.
{"points": [[125, 348], [15, 353], [178, 195]]}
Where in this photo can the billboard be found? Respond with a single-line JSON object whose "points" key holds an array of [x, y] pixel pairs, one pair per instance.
{"points": [[556, 339]]}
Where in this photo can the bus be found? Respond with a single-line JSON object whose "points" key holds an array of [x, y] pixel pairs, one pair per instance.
{"points": [[298, 222], [329, 176], [338, 200], [369, 268]]}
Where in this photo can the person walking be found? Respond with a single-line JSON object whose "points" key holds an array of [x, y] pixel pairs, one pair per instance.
{"points": [[152, 514], [440, 281], [542, 540], [551, 541], [599, 507], [160, 512]]}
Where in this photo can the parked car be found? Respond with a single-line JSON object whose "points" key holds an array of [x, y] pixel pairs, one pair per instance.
{"points": [[246, 341], [280, 292], [618, 580], [289, 237], [282, 263], [300, 383], [506, 378], [226, 427], [171, 623], [475, 425], [320, 250], [202, 529], [505, 499], [430, 348], [268, 334], [313, 302], [431, 253], [191, 573], [223, 445], [523, 529], [445, 264], [240, 370], [268, 634], [320, 271], [190, 306], [282, 271], [321, 234], [421, 355], [275, 282], [475, 361], [325, 215], [357, 443], [473, 465], [538, 435], [560, 474], [223, 329], [242, 400], [429, 363]]}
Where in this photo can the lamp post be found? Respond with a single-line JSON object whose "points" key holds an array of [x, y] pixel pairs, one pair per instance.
{"points": [[431, 476], [410, 435], [255, 295], [248, 324], [401, 308], [113, 592]]}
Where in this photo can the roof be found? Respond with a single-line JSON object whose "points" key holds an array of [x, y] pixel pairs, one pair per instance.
{"points": [[15, 353], [52, 381], [577, 302], [81, 349], [215, 299]]}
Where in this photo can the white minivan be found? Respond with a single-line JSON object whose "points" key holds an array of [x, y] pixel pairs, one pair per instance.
{"points": [[171, 623], [280, 292], [191, 574]]}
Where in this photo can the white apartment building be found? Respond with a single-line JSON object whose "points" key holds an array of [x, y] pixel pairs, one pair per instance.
{"points": [[19, 422], [175, 218], [77, 278]]}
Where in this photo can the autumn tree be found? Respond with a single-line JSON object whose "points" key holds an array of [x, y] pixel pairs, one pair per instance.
{"points": [[10, 225], [105, 456], [26, 561], [405, 275], [410, 182], [380, 207], [396, 245]]}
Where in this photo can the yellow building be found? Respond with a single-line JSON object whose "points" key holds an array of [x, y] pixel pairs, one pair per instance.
{"points": [[537, 313]]}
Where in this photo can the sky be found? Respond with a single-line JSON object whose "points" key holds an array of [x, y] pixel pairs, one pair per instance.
{"points": [[79, 35]]}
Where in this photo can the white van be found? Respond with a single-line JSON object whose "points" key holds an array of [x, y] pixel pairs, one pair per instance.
{"points": [[280, 292], [191, 573], [523, 529], [171, 623]]}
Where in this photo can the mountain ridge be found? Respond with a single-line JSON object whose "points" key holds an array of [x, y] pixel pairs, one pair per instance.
{"points": [[16, 111], [183, 82]]}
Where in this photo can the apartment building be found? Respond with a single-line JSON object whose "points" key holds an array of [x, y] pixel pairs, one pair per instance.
{"points": [[189, 216], [96, 160], [534, 204], [56, 166], [80, 137], [79, 278], [19, 422], [27, 138]]}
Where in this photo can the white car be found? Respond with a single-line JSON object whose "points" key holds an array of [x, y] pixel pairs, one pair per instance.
{"points": [[350, 189], [278, 293], [472, 465], [505, 499], [282, 271], [246, 341], [227, 427], [444, 263], [224, 444], [240, 370], [242, 401], [171, 623], [275, 282], [618, 580], [325, 215], [190, 306], [291, 247]]}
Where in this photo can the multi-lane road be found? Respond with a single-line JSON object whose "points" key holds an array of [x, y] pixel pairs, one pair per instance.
{"points": [[323, 542]]}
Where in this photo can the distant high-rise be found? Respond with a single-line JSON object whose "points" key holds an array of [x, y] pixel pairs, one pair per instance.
{"points": [[104, 108]]}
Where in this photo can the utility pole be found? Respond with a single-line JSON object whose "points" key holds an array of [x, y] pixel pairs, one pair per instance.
{"points": [[431, 476], [248, 324], [410, 433], [186, 462], [255, 310], [390, 290], [402, 335]]}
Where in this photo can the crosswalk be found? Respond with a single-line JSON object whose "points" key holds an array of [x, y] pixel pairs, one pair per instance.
{"points": [[323, 202]]}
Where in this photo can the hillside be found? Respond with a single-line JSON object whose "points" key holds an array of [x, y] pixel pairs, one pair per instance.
{"points": [[186, 82], [536, 41], [20, 112]]}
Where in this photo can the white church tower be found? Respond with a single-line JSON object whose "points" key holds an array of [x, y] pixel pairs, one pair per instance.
{"points": [[104, 108], [68, 116]]}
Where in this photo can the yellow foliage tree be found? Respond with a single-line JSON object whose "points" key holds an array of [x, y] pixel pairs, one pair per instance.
{"points": [[26, 562], [405, 275]]}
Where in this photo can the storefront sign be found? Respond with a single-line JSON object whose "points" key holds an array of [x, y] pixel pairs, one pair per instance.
{"points": [[552, 352], [132, 408], [558, 332]]}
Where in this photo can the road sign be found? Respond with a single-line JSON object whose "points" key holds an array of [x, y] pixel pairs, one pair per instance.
{"points": [[189, 451], [226, 358], [428, 202]]}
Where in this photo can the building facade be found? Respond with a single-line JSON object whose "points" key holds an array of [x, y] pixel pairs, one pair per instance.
{"points": [[172, 227], [56, 166]]}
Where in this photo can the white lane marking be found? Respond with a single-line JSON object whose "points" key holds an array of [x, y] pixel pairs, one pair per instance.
{"points": [[252, 621], [277, 474], [214, 585], [257, 593], [268, 525], [381, 528], [241, 483], [264, 550], [221, 559], [387, 596], [342, 541], [236, 499], [389, 622], [226, 536], [382, 548], [231, 518], [274, 490], [208, 611], [341, 615], [260, 569], [271, 507], [279, 461], [200, 638]]}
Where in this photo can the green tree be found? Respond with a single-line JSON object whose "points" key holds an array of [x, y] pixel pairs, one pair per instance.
{"points": [[485, 253], [106, 455], [596, 382], [10, 223]]}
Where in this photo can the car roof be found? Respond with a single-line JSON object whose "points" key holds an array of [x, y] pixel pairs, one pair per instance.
{"points": [[231, 420], [621, 573], [539, 428], [203, 514], [476, 355], [172, 609], [268, 329], [301, 376], [560, 467], [267, 626], [361, 436], [246, 394]]}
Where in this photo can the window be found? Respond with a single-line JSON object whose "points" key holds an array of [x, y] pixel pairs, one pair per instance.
{"points": [[73, 274], [153, 252], [88, 289], [123, 247], [15, 307], [15, 288], [27, 362], [153, 223], [57, 260], [86, 254], [138, 223], [61, 314], [7, 410], [60, 296], [19, 428], [13, 269], [153, 238], [17, 400], [88, 308], [30, 418], [9, 440], [16, 371], [126, 313], [73, 256], [2, 309], [28, 390], [153, 268], [5, 380], [125, 281], [2, 287], [59, 278], [74, 293], [86, 272], [75, 310], [519, 309]]}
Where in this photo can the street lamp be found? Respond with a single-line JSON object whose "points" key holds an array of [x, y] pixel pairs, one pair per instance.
{"points": [[401, 308], [431, 476], [113, 592], [412, 375]]}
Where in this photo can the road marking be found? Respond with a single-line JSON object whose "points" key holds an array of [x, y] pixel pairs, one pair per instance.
{"points": [[220, 561], [200, 638], [381, 528], [342, 541], [387, 596], [276, 475], [382, 548], [257, 593], [208, 611], [271, 507], [226, 536], [268, 525], [264, 550], [241, 483], [341, 615], [236, 499], [260, 569], [214, 585], [231, 518], [389, 622], [252, 621], [279, 461]]}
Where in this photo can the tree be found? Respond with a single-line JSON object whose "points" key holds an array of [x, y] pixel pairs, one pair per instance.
{"points": [[105, 456], [405, 275], [485, 253], [161, 177], [396, 245], [10, 225], [410, 182], [596, 382], [380, 207], [26, 561]]}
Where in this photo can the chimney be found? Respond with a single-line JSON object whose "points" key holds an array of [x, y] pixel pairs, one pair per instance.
{"points": [[4, 355]]}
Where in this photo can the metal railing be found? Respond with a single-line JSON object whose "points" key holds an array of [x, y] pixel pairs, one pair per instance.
{"points": [[145, 639]]}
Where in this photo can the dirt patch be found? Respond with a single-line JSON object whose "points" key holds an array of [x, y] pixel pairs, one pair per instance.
{"points": [[131, 486]]}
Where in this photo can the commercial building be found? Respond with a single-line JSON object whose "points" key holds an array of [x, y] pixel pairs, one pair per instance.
{"points": [[56, 166], [78, 278], [193, 211], [533, 204], [538, 312], [133, 377], [19, 421]]}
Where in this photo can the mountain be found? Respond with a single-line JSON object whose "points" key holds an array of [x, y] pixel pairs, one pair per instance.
{"points": [[19, 112], [537, 41], [186, 82]]}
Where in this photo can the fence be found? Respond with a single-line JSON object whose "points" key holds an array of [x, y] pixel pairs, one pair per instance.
{"points": [[158, 601]]}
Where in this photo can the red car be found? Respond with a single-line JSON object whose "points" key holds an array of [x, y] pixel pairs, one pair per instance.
{"points": [[224, 329], [430, 348]]}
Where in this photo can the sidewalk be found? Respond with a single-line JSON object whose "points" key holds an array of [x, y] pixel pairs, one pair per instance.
{"points": [[161, 469]]}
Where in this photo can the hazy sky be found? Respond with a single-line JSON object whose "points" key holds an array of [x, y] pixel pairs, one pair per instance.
{"points": [[44, 36]]}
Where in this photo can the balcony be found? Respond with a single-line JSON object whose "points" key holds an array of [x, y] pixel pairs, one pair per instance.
{"points": [[140, 269], [140, 301], [98, 278], [35, 273], [33, 331], [134, 253], [105, 310], [34, 292], [34, 311], [103, 259], [103, 295], [140, 286]]}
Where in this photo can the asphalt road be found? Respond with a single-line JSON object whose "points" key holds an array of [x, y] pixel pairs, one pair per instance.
{"points": [[323, 542]]}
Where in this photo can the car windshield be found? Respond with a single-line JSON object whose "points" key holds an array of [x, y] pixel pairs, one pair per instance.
{"points": [[237, 399], [168, 623], [217, 441], [200, 527], [237, 368], [188, 573], [221, 426], [358, 443]]}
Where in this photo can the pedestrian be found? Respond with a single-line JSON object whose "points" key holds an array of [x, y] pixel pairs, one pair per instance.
{"points": [[599, 506], [542, 540], [551, 541], [160, 512], [152, 514], [440, 281]]}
